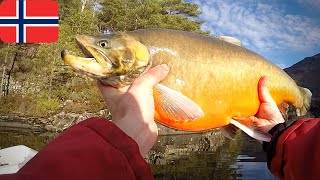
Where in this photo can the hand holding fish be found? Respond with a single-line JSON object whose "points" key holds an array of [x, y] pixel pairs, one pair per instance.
{"points": [[268, 114], [132, 107]]}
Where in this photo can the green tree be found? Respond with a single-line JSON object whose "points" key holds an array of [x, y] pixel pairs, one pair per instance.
{"points": [[125, 15], [41, 64], [78, 17]]}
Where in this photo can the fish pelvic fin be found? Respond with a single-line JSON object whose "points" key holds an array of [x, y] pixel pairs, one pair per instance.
{"points": [[229, 131], [306, 101], [252, 130], [174, 106]]}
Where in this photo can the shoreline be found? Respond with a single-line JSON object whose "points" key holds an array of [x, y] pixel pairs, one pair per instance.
{"points": [[43, 125]]}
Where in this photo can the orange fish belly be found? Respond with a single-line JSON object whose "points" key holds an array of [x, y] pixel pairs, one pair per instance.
{"points": [[224, 90], [218, 108]]}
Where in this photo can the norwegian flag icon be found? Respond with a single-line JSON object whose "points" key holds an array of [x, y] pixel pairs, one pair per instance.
{"points": [[29, 21]]}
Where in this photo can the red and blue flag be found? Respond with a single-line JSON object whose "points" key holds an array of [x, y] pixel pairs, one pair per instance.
{"points": [[29, 21]]}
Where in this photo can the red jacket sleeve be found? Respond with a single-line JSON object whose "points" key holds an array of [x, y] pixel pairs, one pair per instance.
{"points": [[92, 149], [293, 152]]}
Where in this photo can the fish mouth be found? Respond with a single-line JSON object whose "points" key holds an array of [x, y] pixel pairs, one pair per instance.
{"points": [[88, 65], [92, 52], [95, 63]]}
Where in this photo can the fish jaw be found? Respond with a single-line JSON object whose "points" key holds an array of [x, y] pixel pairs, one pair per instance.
{"points": [[88, 46], [89, 66]]}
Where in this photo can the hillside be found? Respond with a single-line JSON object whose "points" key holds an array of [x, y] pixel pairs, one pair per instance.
{"points": [[306, 73]]}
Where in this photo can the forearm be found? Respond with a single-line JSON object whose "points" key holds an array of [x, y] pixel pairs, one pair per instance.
{"points": [[293, 150], [276, 131], [92, 149]]}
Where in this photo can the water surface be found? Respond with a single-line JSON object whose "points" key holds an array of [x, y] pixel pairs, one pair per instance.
{"points": [[208, 156]]}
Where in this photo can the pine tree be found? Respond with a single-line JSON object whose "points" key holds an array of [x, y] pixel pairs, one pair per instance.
{"points": [[125, 15]]}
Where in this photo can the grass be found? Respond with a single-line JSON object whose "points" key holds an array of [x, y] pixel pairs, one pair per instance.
{"points": [[83, 93]]}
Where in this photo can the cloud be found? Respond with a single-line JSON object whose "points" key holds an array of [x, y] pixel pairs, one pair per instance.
{"points": [[261, 27], [315, 4]]}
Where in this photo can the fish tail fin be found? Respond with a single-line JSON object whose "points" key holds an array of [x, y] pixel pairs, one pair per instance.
{"points": [[306, 101]]}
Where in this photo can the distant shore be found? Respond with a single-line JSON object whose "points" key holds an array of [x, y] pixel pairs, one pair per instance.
{"points": [[40, 125]]}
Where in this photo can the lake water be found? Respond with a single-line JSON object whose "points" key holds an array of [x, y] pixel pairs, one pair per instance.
{"points": [[207, 156], [189, 156]]}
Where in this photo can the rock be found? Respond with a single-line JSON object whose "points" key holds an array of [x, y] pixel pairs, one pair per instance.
{"points": [[67, 102], [63, 120], [50, 128]]}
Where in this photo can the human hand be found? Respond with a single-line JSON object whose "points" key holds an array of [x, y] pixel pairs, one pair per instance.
{"points": [[132, 107], [268, 114]]}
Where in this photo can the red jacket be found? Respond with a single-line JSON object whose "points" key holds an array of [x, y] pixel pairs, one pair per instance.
{"points": [[92, 149], [294, 151]]}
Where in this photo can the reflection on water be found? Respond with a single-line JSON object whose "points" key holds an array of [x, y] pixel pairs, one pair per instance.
{"points": [[208, 156], [189, 156], [34, 140]]}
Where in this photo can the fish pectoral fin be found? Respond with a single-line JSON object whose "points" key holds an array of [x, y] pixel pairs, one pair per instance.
{"points": [[252, 130], [229, 131], [173, 105]]}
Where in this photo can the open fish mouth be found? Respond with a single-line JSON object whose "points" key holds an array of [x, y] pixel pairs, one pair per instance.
{"points": [[106, 61], [88, 65], [92, 52]]}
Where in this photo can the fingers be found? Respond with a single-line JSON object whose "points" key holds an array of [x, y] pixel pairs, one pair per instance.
{"points": [[264, 94], [108, 92], [151, 78], [247, 120]]}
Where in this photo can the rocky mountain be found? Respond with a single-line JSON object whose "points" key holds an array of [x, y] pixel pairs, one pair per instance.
{"points": [[306, 73]]}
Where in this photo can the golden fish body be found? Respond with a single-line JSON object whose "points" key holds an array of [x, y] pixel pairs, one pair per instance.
{"points": [[220, 77]]}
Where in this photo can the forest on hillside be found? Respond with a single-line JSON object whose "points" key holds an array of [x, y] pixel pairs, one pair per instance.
{"points": [[35, 82]]}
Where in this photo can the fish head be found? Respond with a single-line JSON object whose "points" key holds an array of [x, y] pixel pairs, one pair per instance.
{"points": [[115, 60]]}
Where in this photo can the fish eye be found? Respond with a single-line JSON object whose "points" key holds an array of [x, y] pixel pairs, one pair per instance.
{"points": [[103, 44]]}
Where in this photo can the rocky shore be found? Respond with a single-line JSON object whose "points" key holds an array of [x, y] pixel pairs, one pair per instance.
{"points": [[61, 121]]}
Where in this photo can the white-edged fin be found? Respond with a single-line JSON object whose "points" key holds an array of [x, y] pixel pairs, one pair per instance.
{"points": [[173, 105], [298, 112], [229, 131], [252, 131], [230, 39]]}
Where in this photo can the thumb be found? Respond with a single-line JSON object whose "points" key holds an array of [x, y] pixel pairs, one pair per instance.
{"points": [[151, 78], [264, 94]]}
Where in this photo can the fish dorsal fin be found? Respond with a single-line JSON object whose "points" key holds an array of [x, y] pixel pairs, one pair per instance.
{"points": [[253, 131], [173, 105], [229, 39]]}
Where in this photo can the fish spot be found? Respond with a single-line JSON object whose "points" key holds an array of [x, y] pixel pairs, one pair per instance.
{"points": [[156, 50], [219, 102], [180, 82], [121, 77], [141, 63]]}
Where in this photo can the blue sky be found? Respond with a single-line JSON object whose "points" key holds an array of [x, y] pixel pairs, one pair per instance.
{"points": [[283, 31]]}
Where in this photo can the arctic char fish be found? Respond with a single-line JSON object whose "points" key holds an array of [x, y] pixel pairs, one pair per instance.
{"points": [[211, 82]]}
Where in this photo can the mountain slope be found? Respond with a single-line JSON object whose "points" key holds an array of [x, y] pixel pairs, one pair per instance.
{"points": [[306, 73]]}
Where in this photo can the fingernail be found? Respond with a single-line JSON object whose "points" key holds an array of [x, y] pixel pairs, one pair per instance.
{"points": [[165, 68]]}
